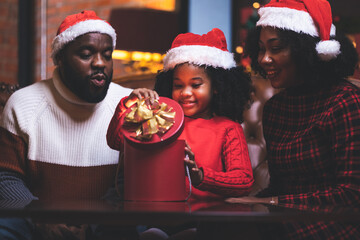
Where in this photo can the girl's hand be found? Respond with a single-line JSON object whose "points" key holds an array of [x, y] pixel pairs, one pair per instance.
{"points": [[141, 93], [196, 174]]}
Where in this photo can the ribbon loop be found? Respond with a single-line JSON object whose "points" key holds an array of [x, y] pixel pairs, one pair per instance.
{"points": [[145, 119]]}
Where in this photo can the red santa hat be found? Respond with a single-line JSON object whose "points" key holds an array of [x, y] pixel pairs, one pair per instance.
{"points": [[208, 49], [312, 17], [79, 24]]}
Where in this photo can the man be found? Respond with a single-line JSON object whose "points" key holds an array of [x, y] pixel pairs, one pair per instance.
{"points": [[53, 133]]}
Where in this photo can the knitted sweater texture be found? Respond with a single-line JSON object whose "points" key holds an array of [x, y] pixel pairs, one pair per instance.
{"points": [[57, 142], [313, 142], [220, 149]]}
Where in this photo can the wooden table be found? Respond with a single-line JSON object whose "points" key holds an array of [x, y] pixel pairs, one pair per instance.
{"points": [[133, 213]]}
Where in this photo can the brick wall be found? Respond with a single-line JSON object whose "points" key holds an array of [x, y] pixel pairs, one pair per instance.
{"points": [[55, 12], [8, 41], [58, 10]]}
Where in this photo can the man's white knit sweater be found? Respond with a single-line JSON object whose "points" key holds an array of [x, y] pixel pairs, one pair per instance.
{"points": [[57, 142]]}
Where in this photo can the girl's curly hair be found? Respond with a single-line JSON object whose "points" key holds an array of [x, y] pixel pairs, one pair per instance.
{"points": [[315, 72], [232, 90]]}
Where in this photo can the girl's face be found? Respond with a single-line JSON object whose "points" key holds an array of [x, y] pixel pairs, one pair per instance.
{"points": [[275, 58], [192, 90]]}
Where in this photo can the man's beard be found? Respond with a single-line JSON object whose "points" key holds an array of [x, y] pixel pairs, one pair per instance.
{"points": [[81, 87]]}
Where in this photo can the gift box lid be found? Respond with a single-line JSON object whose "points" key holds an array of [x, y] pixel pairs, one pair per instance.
{"points": [[158, 138]]}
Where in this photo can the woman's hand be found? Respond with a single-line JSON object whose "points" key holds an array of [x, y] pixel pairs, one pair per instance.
{"points": [[253, 200], [196, 174], [141, 93]]}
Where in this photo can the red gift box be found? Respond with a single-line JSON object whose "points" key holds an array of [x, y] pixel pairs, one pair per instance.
{"points": [[154, 168]]}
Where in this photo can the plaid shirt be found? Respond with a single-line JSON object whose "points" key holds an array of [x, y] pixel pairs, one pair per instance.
{"points": [[313, 144]]}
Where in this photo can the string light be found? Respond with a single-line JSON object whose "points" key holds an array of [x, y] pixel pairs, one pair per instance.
{"points": [[137, 56], [121, 55], [157, 57]]}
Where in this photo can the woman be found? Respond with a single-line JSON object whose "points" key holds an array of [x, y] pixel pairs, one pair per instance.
{"points": [[312, 127]]}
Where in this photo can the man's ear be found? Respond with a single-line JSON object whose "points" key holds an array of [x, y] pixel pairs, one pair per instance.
{"points": [[60, 57], [58, 62]]}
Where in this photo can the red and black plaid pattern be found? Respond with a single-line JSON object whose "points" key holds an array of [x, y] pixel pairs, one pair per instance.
{"points": [[313, 144]]}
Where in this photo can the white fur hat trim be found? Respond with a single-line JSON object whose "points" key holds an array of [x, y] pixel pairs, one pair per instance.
{"points": [[79, 29], [198, 55], [300, 22], [290, 19]]}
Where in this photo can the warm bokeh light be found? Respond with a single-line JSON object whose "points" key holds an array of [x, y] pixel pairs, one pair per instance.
{"points": [[147, 56], [156, 57], [239, 49], [121, 55], [137, 56], [136, 61], [352, 39], [256, 5], [165, 5]]}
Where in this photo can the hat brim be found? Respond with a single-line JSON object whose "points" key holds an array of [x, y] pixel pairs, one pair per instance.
{"points": [[198, 55], [289, 19], [79, 29]]}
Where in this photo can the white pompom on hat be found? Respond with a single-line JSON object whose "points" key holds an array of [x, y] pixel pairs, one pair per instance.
{"points": [[209, 49], [79, 24], [312, 17]]}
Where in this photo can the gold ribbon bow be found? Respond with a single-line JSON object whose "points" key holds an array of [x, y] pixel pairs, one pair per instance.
{"points": [[146, 119]]}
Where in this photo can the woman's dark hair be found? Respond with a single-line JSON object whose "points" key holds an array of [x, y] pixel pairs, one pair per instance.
{"points": [[309, 66], [232, 90]]}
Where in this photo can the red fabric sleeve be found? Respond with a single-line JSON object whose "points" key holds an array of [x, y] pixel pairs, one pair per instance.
{"points": [[114, 136], [237, 177]]}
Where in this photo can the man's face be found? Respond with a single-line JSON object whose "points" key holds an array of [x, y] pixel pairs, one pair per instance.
{"points": [[86, 66]]}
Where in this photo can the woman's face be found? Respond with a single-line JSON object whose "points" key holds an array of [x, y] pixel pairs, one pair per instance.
{"points": [[192, 90], [275, 58]]}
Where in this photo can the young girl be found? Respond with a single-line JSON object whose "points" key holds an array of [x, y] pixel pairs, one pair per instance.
{"points": [[201, 75]]}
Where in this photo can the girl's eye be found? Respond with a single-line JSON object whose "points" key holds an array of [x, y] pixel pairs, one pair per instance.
{"points": [[261, 47], [196, 85], [276, 49], [177, 86]]}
